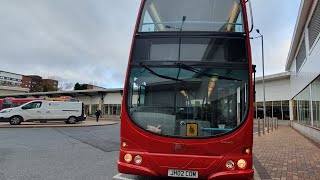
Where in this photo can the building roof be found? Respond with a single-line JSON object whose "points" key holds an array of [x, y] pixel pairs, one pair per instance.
{"points": [[11, 73], [273, 77], [303, 14], [35, 76]]}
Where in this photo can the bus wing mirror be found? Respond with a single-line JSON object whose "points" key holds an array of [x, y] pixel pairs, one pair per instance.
{"points": [[250, 8], [254, 81]]}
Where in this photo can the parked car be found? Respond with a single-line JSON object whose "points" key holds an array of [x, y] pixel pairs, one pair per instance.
{"points": [[42, 110]]}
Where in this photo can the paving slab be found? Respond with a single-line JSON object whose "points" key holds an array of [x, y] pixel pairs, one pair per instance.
{"points": [[286, 154]]}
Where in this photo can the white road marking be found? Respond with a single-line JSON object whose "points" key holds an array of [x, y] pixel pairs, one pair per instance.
{"points": [[118, 176]]}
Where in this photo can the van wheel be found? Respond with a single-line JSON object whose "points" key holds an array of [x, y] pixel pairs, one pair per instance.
{"points": [[15, 120], [72, 120]]}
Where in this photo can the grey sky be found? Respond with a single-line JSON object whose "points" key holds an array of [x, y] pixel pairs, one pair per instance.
{"points": [[89, 40]]}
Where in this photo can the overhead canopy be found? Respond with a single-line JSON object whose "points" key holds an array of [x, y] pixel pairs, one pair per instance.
{"points": [[75, 93]]}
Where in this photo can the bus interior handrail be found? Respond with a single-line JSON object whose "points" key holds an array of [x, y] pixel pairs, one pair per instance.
{"points": [[190, 22]]}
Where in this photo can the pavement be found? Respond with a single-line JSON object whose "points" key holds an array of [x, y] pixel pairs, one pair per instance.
{"points": [[286, 154], [88, 122]]}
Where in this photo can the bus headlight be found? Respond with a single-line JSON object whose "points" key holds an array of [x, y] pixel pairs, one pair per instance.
{"points": [[230, 164], [138, 159], [128, 158], [242, 164]]}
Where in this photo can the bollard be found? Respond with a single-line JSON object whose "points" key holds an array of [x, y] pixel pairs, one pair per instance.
{"points": [[259, 133], [274, 123], [268, 127], [263, 125]]}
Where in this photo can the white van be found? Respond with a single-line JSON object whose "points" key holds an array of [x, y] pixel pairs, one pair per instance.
{"points": [[42, 110]]}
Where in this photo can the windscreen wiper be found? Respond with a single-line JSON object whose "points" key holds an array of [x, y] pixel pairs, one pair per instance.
{"points": [[159, 75], [190, 68]]}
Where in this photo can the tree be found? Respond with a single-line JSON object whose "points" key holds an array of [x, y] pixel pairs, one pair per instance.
{"points": [[47, 88], [63, 85], [78, 86]]}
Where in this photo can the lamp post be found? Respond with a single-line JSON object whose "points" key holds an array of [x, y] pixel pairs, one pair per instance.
{"points": [[264, 89]]}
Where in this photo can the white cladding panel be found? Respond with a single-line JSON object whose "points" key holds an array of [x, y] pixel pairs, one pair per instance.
{"points": [[10, 75], [113, 98], [88, 99], [308, 71], [275, 90]]}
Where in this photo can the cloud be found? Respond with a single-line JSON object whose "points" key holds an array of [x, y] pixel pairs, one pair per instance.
{"points": [[276, 21], [89, 41], [79, 40]]}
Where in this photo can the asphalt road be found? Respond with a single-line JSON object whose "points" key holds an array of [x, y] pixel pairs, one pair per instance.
{"points": [[80, 153], [59, 153]]}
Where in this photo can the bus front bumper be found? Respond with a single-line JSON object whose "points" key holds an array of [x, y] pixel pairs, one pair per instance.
{"points": [[134, 169], [246, 174], [140, 170]]}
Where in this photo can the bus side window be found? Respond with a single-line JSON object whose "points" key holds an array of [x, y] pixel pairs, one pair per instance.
{"points": [[141, 95]]}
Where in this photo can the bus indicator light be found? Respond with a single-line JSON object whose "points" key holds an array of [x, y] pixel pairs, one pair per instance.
{"points": [[246, 151], [124, 144], [128, 158]]}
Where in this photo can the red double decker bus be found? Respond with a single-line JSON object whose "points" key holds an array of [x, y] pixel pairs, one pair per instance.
{"points": [[1, 103], [187, 107]]}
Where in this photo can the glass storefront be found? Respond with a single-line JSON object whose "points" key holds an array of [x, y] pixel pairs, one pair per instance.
{"points": [[258, 110], [306, 105], [112, 109], [285, 110], [94, 108], [315, 94], [276, 109]]}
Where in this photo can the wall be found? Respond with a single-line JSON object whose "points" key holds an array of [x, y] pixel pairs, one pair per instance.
{"points": [[275, 90], [308, 131]]}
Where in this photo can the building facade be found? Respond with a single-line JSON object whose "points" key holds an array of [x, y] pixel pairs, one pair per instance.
{"points": [[33, 83], [10, 79], [26, 82], [36, 83], [303, 62], [277, 96], [49, 85]]}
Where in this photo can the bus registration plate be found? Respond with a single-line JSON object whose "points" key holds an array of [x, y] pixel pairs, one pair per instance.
{"points": [[182, 173]]}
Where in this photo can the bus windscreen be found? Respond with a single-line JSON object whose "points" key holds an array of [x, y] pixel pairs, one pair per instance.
{"points": [[166, 100]]}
